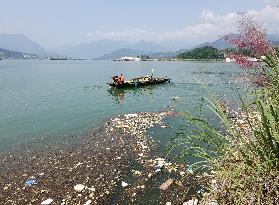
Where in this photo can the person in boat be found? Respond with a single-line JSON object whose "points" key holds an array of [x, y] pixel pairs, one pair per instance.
{"points": [[115, 78], [121, 79]]}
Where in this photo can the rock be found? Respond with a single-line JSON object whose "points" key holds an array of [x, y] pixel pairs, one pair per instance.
{"points": [[79, 187], [48, 201], [168, 203], [166, 184]]}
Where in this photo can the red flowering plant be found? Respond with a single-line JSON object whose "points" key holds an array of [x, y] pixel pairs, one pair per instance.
{"points": [[251, 40]]}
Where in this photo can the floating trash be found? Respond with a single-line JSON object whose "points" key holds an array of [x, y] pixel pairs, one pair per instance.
{"points": [[124, 184], [79, 187], [48, 201], [30, 182], [166, 184], [190, 169]]}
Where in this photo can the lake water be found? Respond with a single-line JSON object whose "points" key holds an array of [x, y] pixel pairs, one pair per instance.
{"points": [[58, 98]]}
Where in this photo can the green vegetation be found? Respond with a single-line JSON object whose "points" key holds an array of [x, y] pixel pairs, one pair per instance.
{"points": [[241, 154], [203, 53]]}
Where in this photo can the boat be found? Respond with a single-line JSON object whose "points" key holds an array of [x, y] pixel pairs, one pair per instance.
{"points": [[55, 59], [138, 82]]}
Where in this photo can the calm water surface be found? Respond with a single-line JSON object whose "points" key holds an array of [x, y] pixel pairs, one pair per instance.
{"points": [[58, 98]]}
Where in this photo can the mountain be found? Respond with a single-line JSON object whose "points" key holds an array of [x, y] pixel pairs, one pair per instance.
{"points": [[20, 43], [221, 44], [274, 39], [98, 49], [7, 54]]}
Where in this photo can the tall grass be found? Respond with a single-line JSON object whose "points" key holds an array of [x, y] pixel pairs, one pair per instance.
{"points": [[245, 161]]}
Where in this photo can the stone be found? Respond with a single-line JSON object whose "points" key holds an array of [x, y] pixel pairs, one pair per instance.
{"points": [[166, 184]]}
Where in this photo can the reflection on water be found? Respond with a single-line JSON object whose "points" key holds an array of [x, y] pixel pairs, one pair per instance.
{"points": [[120, 95], [92, 87]]}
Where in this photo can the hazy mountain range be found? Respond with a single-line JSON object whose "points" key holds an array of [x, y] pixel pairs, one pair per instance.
{"points": [[7, 54], [20, 43], [221, 44], [103, 49], [98, 49]]}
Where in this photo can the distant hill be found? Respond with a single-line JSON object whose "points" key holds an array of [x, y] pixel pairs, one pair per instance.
{"points": [[169, 54], [220, 44], [7, 54], [98, 49], [202, 53], [20, 43]]}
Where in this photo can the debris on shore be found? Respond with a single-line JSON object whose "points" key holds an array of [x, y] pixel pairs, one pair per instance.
{"points": [[110, 165]]}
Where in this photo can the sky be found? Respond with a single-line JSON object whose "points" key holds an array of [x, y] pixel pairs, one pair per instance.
{"points": [[54, 23]]}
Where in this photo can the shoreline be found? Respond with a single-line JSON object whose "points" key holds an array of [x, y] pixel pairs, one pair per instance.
{"points": [[110, 165]]}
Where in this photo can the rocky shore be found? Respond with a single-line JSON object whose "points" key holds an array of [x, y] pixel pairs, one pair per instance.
{"points": [[113, 164]]}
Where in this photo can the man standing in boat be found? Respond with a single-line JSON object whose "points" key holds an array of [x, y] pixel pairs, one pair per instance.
{"points": [[121, 79]]}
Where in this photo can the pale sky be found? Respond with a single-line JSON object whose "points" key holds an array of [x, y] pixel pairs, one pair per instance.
{"points": [[61, 22]]}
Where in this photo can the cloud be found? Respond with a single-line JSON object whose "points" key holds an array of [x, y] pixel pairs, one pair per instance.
{"points": [[211, 27], [269, 17]]}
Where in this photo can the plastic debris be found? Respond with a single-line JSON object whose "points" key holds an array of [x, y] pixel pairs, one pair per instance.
{"points": [[124, 184], [158, 170], [48, 201], [88, 202], [190, 169], [79, 187], [160, 162], [166, 184], [191, 202], [30, 182]]}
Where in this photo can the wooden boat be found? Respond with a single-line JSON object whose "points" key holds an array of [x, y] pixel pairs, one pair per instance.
{"points": [[137, 82]]}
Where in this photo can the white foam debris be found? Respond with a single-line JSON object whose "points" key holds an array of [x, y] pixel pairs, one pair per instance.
{"points": [[48, 201], [79, 187]]}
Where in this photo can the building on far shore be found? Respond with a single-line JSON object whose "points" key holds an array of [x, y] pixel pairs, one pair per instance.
{"points": [[141, 58], [128, 58]]}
